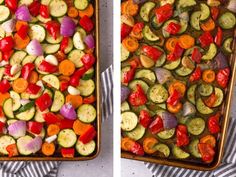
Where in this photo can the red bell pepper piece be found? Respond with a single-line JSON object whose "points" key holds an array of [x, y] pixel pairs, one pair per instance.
{"points": [[51, 118], [22, 32], [43, 102], [34, 8], [74, 80], [89, 100], [8, 70], [196, 55], [219, 37], [137, 149], [210, 101], [156, 126], [12, 4], [88, 61], [173, 28], [196, 75], [2, 125], [47, 67], [7, 55], [213, 124], [33, 89], [53, 28], [44, 11], [86, 23], [206, 39], [26, 70], [6, 44], [12, 150], [182, 136], [4, 86], [1, 113], [163, 13], [215, 12], [222, 77], [207, 152], [174, 98], [88, 135], [64, 85], [176, 54], [125, 30], [66, 123], [138, 27], [129, 75], [34, 127], [152, 52], [64, 43], [145, 118], [68, 152], [137, 97]]}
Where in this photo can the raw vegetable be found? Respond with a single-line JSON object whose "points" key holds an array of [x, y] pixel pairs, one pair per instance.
{"points": [[17, 129], [22, 13], [68, 111]]}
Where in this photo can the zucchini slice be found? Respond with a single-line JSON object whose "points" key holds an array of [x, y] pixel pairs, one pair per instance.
{"points": [[4, 13], [8, 108], [205, 89], [193, 148], [51, 40], [86, 113], [195, 20], [89, 74], [26, 115], [52, 80], [220, 97], [129, 121], [145, 10], [78, 41], [50, 48], [145, 74], [58, 101], [37, 32], [202, 108], [211, 53], [86, 87], [205, 11], [157, 93], [21, 145], [124, 53], [136, 133], [149, 35], [227, 20], [191, 93], [179, 153], [75, 56], [39, 115], [15, 100], [85, 149], [183, 71], [166, 134], [66, 138], [28, 59], [125, 106], [57, 8], [227, 45], [172, 65], [196, 126], [17, 57], [5, 140], [81, 4], [163, 148]]}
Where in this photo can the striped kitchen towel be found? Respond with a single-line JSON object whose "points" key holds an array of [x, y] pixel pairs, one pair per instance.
{"points": [[50, 168], [227, 168]]}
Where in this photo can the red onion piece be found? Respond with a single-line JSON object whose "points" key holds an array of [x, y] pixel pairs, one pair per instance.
{"points": [[34, 48], [67, 27], [35, 144], [232, 6], [89, 41], [169, 120], [17, 129], [68, 111], [22, 13]]}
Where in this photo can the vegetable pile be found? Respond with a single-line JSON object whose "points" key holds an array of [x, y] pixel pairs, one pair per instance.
{"points": [[174, 76], [47, 88]]}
